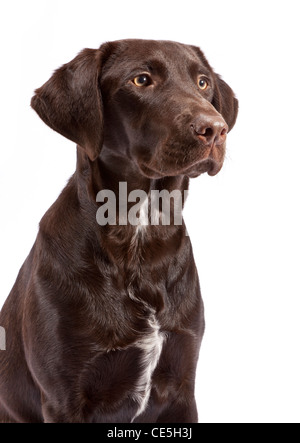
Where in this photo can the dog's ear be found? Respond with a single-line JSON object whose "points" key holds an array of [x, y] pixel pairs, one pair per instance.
{"points": [[225, 102], [70, 101]]}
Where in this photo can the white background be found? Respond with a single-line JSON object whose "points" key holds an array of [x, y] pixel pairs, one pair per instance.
{"points": [[244, 223]]}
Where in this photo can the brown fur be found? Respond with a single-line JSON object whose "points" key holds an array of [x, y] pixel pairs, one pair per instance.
{"points": [[71, 323]]}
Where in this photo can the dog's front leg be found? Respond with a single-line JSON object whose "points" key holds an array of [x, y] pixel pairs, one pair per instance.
{"points": [[53, 412], [181, 410]]}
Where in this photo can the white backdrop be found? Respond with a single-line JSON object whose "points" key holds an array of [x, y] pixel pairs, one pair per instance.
{"points": [[243, 223]]}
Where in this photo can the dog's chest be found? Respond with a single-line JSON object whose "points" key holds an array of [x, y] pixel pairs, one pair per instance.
{"points": [[151, 347]]}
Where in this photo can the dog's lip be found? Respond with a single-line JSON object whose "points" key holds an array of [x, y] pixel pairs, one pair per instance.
{"points": [[206, 165], [150, 172], [210, 161], [215, 168]]}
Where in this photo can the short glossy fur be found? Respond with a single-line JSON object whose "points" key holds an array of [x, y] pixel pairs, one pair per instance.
{"points": [[104, 323]]}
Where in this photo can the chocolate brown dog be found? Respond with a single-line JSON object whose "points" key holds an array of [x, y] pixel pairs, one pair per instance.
{"points": [[104, 322]]}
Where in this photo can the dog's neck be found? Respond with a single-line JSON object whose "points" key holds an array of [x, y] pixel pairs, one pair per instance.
{"points": [[116, 173], [111, 169]]}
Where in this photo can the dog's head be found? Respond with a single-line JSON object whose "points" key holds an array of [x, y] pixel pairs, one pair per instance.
{"points": [[157, 102]]}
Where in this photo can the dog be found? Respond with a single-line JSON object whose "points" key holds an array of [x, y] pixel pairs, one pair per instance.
{"points": [[105, 320]]}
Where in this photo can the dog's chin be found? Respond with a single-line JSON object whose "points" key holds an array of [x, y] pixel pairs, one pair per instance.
{"points": [[150, 172], [209, 166]]}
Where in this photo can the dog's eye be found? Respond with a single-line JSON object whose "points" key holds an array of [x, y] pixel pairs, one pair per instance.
{"points": [[142, 80], [202, 83]]}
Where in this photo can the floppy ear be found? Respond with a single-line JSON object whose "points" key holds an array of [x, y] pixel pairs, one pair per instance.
{"points": [[225, 102], [70, 102]]}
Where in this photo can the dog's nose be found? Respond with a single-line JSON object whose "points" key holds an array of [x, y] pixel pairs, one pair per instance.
{"points": [[210, 130]]}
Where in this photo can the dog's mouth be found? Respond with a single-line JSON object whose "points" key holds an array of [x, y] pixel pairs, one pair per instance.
{"points": [[210, 162], [209, 166], [196, 161]]}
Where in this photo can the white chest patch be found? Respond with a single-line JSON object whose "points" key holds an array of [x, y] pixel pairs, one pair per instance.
{"points": [[151, 345]]}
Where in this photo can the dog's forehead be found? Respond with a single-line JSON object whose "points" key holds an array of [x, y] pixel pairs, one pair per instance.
{"points": [[133, 52], [154, 48]]}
